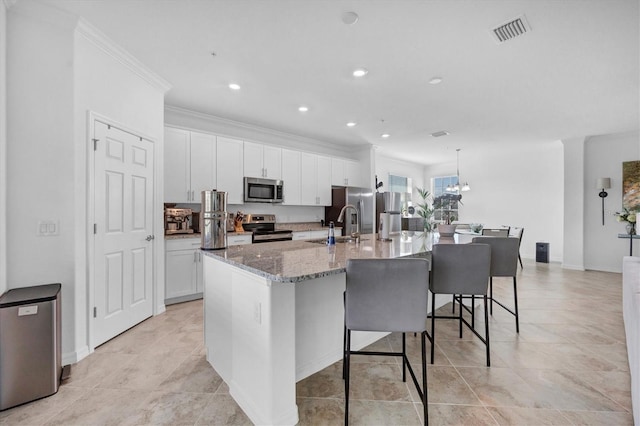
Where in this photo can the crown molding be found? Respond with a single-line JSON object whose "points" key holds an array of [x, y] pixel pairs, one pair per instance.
{"points": [[291, 137], [101, 41]]}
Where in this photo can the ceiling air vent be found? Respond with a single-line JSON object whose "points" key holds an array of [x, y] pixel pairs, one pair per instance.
{"points": [[511, 29], [440, 133]]}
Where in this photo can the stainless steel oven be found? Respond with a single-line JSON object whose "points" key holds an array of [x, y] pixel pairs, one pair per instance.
{"points": [[264, 229], [257, 190]]}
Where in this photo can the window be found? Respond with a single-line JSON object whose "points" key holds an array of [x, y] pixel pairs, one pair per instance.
{"points": [[439, 186], [399, 184]]}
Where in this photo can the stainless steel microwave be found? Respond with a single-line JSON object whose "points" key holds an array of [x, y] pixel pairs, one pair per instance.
{"points": [[257, 190]]}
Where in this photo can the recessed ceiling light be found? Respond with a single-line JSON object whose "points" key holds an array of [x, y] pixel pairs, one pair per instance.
{"points": [[351, 124], [349, 18], [385, 135], [234, 86], [435, 80], [303, 108], [440, 133], [360, 72]]}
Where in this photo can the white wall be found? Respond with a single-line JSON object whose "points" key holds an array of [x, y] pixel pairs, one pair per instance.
{"points": [[573, 220], [55, 77], [3, 147], [603, 250], [40, 152], [516, 185]]}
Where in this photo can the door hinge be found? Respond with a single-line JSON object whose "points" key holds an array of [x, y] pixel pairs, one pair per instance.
{"points": [[95, 144], [95, 228], [95, 312]]}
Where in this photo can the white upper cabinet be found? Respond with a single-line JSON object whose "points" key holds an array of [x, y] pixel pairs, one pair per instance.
{"points": [[345, 172], [262, 161], [291, 170], [189, 165], [229, 170], [177, 188], [203, 164], [315, 180]]}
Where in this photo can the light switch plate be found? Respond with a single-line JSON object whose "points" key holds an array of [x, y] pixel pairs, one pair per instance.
{"points": [[48, 228]]}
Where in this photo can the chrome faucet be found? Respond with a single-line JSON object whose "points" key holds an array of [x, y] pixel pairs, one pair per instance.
{"points": [[356, 234]]}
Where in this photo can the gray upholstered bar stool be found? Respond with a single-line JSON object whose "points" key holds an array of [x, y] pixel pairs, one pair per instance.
{"points": [[504, 263], [387, 295], [460, 270]]}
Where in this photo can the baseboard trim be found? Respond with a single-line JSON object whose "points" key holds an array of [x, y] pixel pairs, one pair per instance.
{"points": [[73, 357]]}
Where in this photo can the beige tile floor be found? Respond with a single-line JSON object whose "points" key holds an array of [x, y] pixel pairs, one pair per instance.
{"points": [[568, 366]]}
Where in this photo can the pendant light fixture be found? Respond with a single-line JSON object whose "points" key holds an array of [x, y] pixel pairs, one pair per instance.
{"points": [[456, 187]]}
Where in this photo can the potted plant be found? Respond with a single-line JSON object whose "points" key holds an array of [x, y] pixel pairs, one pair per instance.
{"points": [[445, 203], [425, 210]]}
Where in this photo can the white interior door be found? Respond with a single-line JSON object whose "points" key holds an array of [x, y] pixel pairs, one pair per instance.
{"points": [[123, 232]]}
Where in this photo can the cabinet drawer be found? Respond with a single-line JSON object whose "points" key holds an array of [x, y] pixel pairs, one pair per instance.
{"points": [[236, 240], [182, 244]]}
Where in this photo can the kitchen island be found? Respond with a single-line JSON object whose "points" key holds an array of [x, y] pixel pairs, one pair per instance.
{"points": [[273, 315]]}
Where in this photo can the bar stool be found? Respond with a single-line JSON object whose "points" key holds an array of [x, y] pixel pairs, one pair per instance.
{"points": [[516, 232], [387, 295], [460, 270], [504, 263]]}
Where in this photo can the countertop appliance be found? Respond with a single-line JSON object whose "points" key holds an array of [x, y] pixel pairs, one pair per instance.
{"points": [[258, 190], [390, 202], [177, 221], [361, 198], [263, 227], [213, 220]]}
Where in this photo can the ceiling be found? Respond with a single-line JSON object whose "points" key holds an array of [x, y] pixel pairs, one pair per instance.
{"points": [[575, 74]]}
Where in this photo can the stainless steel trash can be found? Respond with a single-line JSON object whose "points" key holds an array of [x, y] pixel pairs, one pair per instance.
{"points": [[30, 345]]}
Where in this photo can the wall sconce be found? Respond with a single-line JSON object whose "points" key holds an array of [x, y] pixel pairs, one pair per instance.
{"points": [[603, 183]]}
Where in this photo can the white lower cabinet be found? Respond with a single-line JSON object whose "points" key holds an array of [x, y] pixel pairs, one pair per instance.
{"points": [[183, 267], [183, 270], [310, 235], [238, 240]]}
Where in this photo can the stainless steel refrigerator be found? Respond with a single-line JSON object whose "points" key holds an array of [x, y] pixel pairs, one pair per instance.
{"points": [[390, 202], [361, 198]]}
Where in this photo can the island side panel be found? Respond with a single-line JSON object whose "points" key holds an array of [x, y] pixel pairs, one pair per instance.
{"points": [[320, 324], [261, 341], [217, 316]]}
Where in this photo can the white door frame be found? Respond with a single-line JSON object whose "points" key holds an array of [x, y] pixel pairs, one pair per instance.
{"points": [[158, 224]]}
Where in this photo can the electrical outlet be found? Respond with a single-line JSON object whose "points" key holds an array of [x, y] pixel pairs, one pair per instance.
{"points": [[47, 228]]}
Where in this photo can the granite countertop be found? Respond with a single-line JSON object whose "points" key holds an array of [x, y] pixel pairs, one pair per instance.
{"points": [[295, 227], [295, 261], [197, 235], [303, 226]]}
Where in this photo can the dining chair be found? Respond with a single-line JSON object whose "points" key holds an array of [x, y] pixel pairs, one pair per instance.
{"points": [[388, 295], [495, 232], [460, 270], [504, 263], [516, 232]]}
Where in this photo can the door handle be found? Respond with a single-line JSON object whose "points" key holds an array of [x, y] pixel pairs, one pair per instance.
{"points": [[150, 237]]}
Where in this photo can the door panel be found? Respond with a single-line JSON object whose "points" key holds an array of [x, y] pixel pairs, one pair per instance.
{"points": [[123, 211]]}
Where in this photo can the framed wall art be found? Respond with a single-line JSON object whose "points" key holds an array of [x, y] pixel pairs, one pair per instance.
{"points": [[631, 185]]}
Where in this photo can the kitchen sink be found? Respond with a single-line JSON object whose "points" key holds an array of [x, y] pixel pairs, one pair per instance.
{"points": [[339, 240]]}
